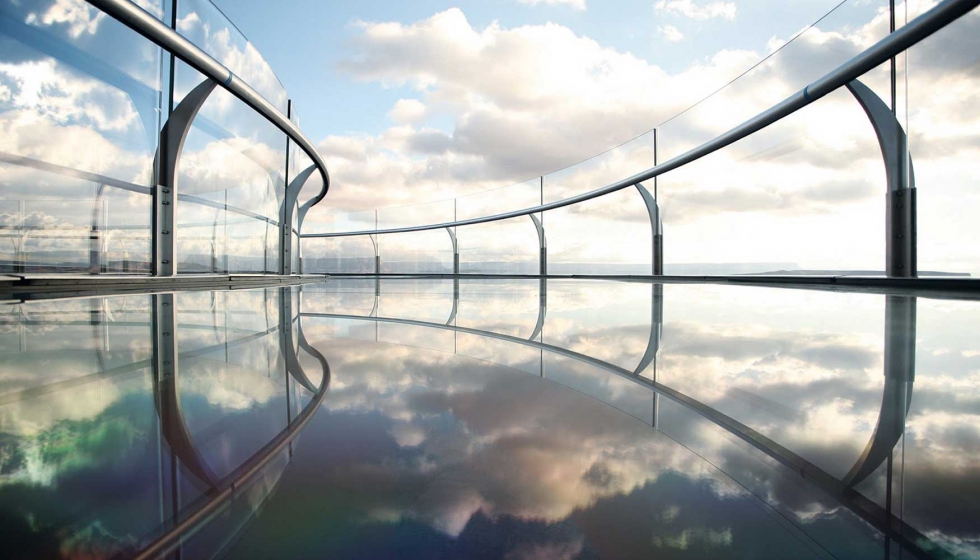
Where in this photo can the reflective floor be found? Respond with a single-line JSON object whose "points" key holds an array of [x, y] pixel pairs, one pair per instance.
{"points": [[491, 419]]}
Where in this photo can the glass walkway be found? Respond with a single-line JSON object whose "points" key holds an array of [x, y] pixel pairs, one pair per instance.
{"points": [[200, 359]]}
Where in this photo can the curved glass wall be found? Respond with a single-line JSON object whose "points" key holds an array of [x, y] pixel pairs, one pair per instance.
{"points": [[806, 195], [943, 79], [83, 103], [80, 106]]}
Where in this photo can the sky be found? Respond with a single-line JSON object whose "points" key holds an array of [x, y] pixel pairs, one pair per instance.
{"points": [[334, 101]]}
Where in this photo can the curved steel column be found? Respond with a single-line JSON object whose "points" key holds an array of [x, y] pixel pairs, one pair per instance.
{"points": [[377, 254], [97, 247], [286, 218], [900, 327], [452, 237], [900, 213], [293, 367], [452, 314], [165, 166], [317, 355], [542, 245], [656, 329], [656, 229], [166, 393], [653, 345], [542, 308]]}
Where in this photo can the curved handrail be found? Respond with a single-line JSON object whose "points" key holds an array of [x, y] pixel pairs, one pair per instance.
{"points": [[231, 486], [915, 31], [144, 23]]}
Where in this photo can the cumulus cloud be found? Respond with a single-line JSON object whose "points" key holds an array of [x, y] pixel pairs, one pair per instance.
{"points": [[544, 98], [407, 111], [690, 9], [517, 447], [80, 17]]}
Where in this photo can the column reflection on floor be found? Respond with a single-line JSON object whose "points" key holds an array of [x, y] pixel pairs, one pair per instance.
{"points": [[141, 425]]}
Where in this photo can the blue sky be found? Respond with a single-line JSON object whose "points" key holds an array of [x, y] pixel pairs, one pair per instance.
{"points": [[303, 41]]}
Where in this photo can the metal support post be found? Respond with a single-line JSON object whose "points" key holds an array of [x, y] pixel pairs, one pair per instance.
{"points": [[452, 238], [900, 214], [542, 244], [165, 164]]}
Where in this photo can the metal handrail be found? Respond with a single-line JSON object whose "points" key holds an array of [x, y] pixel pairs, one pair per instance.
{"points": [[144, 23], [918, 29]]}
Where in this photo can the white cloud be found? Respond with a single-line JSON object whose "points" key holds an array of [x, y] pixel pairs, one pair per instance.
{"points": [[576, 4], [670, 33], [542, 99], [52, 90], [689, 9], [80, 17], [240, 56], [407, 111]]}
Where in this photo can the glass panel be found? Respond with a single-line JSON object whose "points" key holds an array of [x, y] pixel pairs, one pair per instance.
{"points": [[417, 337], [498, 201], [237, 381], [605, 320], [523, 358], [943, 80], [604, 169], [438, 212], [607, 235], [203, 24], [502, 247], [607, 387], [231, 183], [807, 515], [429, 251], [804, 195], [334, 222], [338, 254], [80, 110]]}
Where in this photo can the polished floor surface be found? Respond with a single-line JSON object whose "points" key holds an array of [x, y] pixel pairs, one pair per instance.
{"points": [[423, 418]]}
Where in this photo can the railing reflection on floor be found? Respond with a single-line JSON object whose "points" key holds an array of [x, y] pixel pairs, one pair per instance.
{"points": [[137, 340], [899, 374]]}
